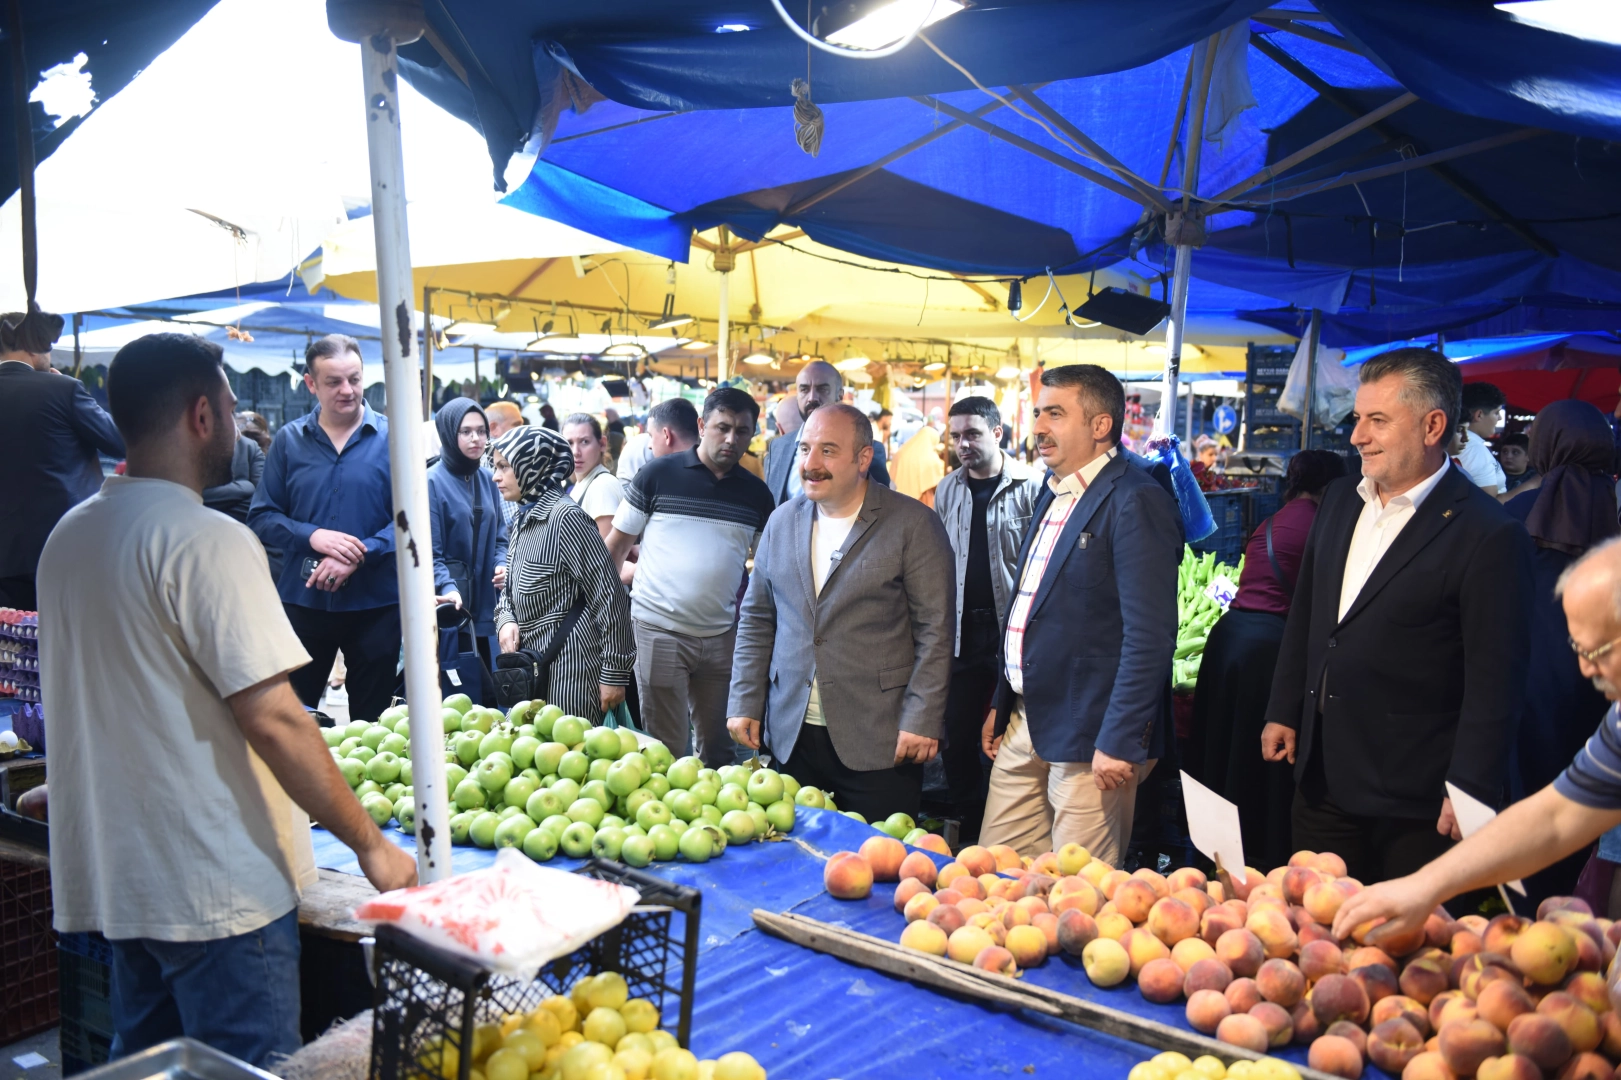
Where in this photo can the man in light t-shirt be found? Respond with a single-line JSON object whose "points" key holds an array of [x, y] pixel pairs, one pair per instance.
{"points": [[1483, 406], [180, 755]]}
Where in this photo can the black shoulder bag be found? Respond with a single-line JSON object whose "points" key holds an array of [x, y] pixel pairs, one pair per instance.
{"points": [[525, 675], [1277, 568]]}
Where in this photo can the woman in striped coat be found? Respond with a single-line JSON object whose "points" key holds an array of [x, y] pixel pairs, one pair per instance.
{"points": [[555, 560]]}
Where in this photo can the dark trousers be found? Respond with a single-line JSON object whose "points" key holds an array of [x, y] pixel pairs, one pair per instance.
{"points": [[1374, 849], [874, 795], [370, 640], [18, 592], [973, 681]]}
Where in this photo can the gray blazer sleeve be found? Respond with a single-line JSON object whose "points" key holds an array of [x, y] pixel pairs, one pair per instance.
{"points": [[756, 635], [931, 599]]}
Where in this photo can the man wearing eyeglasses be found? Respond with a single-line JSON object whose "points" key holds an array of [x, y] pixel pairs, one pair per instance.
{"points": [[1563, 817]]}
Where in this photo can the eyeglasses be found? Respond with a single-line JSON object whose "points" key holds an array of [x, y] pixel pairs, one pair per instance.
{"points": [[1592, 655]]}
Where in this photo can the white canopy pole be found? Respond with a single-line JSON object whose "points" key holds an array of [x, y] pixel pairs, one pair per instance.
{"points": [[378, 27], [1184, 230], [725, 262]]}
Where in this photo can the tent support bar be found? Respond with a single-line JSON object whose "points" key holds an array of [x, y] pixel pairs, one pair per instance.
{"points": [[545, 265], [1408, 165], [1447, 175], [1176, 326], [990, 301], [1310, 33], [1314, 333], [1036, 149], [427, 348], [1332, 138], [723, 313], [1181, 111], [413, 559], [22, 119], [1057, 120], [894, 155]]}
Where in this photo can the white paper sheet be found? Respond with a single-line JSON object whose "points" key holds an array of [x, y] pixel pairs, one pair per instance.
{"points": [[1213, 826], [1472, 815]]}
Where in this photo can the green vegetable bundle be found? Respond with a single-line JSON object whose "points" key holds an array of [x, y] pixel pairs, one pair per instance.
{"points": [[1196, 613]]}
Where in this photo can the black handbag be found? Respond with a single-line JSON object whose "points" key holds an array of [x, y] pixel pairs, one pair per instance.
{"points": [[525, 675]]}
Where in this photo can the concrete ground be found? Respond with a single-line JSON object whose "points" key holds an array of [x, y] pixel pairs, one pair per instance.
{"points": [[43, 1044]]}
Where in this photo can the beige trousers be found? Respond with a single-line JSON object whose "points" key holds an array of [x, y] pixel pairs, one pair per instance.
{"points": [[1036, 806]]}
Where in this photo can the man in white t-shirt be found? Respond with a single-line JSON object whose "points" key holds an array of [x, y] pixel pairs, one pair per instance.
{"points": [[597, 490], [176, 738], [1483, 406]]}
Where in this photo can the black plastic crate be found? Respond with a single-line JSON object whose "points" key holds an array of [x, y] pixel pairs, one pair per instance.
{"points": [[1233, 511], [91, 945], [424, 992], [82, 1048], [86, 991], [28, 997]]}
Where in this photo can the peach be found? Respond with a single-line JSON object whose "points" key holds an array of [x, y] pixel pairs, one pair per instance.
{"points": [[1335, 1055], [1106, 962], [1394, 942], [1347, 1030], [1377, 981], [918, 866], [948, 896], [1465, 943], [1113, 926], [1442, 1000], [971, 907], [925, 937], [1339, 997], [1144, 948], [1206, 974], [1280, 982], [1588, 988], [1134, 899], [1429, 1065], [1028, 946], [1275, 875], [1580, 1023], [1083, 897], [950, 872], [1253, 879], [1172, 921], [1574, 920], [1438, 930], [1471, 973], [995, 884], [1588, 1066], [1501, 932], [1509, 1067], [1280, 1027], [885, 855], [907, 889], [997, 959], [989, 923], [1113, 880], [1190, 951], [1046, 863], [1589, 953], [1197, 899], [1297, 881], [1610, 1033], [1465, 1046], [1400, 1007], [1501, 1000], [1545, 953], [1305, 1024], [1048, 925], [1422, 980], [1186, 877], [1363, 955], [1076, 930], [1393, 1043], [1012, 915], [1216, 891], [969, 887], [1094, 872], [1242, 1029], [1541, 1039], [1326, 862], [1005, 858], [936, 843], [1160, 981], [1474, 923], [1156, 881], [1032, 905], [1457, 1011], [1243, 995], [1274, 931], [948, 917], [1319, 958], [1563, 903], [966, 943], [977, 860], [1217, 921], [847, 876], [1311, 931], [917, 909], [1323, 901], [1206, 1010]]}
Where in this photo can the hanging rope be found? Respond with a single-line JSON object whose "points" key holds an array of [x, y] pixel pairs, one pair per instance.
{"points": [[807, 119]]}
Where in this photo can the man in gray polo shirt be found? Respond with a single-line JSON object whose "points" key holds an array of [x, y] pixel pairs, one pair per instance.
{"points": [[698, 516]]}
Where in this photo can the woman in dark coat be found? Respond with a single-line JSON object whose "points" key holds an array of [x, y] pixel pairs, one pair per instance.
{"points": [[1235, 676], [469, 530], [1570, 509]]}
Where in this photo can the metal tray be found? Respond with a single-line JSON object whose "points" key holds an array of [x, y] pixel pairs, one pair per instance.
{"points": [[177, 1059]]}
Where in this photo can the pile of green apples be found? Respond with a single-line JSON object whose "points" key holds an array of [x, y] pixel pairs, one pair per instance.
{"points": [[543, 781]]}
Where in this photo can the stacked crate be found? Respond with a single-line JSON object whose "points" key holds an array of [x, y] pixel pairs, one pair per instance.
{"points": [[28, 971]]}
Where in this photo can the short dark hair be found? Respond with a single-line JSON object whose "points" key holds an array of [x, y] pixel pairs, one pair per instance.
{"points": [[883, 413], [330, 345], [1433, 381], [734, 400], [857, 418], [1310, 471], [1481, 395], [155, 378], [36, 335], [677, 415], [980, 406], [582, 418], [1518, 438], [1101, 392]]}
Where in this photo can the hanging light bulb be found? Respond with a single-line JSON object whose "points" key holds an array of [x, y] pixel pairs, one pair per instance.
{"points": [[934, 365], [854, 360]]}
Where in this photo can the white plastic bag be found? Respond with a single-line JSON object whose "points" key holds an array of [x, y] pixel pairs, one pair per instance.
{"points": [[1336, 387], [512, 918]]}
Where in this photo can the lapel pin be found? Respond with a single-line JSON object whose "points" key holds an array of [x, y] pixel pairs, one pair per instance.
{"points": [[1447, 513]]}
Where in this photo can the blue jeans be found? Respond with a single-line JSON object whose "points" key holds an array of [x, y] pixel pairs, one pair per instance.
{"points": [[237, 994]]}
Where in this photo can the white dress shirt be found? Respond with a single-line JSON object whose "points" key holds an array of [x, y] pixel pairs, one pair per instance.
{"points": [[1377, 528]]}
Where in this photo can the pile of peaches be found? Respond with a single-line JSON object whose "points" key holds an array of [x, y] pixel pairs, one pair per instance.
{"points": [[1506, 999]]}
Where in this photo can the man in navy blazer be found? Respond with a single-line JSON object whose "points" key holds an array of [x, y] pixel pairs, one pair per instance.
{"points": [[1084, 699], [51, 435]]}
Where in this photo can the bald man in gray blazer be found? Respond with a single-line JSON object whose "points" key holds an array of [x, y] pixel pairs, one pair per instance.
{"points": [[846, 634]]}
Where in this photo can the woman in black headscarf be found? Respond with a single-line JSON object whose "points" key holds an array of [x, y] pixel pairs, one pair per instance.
{"points": [[469, 532], [1570, 510], [560, 579]]}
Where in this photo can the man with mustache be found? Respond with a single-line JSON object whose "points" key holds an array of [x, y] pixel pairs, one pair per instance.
{"points": [[844, 644]]}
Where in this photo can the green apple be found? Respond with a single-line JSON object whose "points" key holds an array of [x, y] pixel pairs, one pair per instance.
{"points": [[460, 702], [377, 805], [469, 794], [567, 790], [705, 792], [790, 786], [394, 792], [523, 750], [333, 736], [577, 839], [634, 829], [611, 821], [827, 801], [640, 760], [762, 824], [912, 838], [362, 753], [555, 824], [717, 837], [683, 772], [394, 744], [809, 796], [548, 755], [601, 742], [511, 832], [765, 786], [450, 720], [636, 800], [781, 815], [628, 742], [658, 785], [518, 790], [627, 774], [588, 811], [568, 730], [393, 714], [734, 774], [543, 804], [666, 842], [355, 728], [540, 844], [406, 771], [738, 826], [498, 741], [493, 774], [597, 790], [482, 830], [658, 756], [711, 775], [544, 719], [709, 815], [353, 771], [465, 744], [598, 769], [368, 787], [531, 774], [696, 845], [348, 746], [573, 765], [459, 824], [608, 843], [683, 804], [853, 816], [405, 812], [549, 780], [637, 850], [731, 797], [402, 726], [477, 720], [374, 736], [454, 774], [526, 731], [509, 811], [384, 768], [898, 825], [519, 713]]}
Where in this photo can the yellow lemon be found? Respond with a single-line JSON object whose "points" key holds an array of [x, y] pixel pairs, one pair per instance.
{"points": [[1148, 1070], [486, 1040], [580, 1057], [1172, 1061], [529, 1044], [568, 1017], [607, 991], [507, 1064], [738, 1066], [661, 1040], [640, 1015], [544, 1025], [605, 1070], [637, 1041], [675, 1064], [1210, 1065], [605, 1026], [635, 1061]]}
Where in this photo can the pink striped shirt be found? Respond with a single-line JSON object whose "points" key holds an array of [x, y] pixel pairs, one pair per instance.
{"points": [[1067, 492]]}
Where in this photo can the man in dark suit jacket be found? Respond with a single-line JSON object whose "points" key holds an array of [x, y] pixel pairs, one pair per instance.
{"points": [[1403, 660], [818, 383], [51, 431], [1084, 698]]}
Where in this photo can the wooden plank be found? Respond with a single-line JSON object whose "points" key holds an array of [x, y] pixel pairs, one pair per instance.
{"points": [[891, 958], [326, 906]]}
